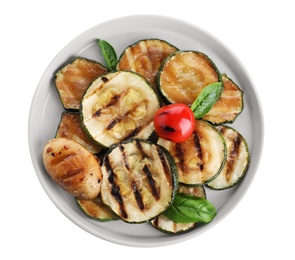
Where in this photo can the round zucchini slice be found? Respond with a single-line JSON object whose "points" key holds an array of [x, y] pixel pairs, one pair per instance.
{"points": [[72, 80], [167, 225], [96, 209], [145, 57], [200, 158], [229, 105], [237, 160], [184, 74], [118, 106], [139, 180]]}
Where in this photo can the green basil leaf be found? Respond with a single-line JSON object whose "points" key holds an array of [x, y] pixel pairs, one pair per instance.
{"points": [[188, 209], [109, 54], [206, 99]]}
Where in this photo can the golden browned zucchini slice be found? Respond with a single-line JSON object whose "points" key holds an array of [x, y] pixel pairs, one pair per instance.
{"points": [[139, 180], [237, 160], [167, 225], [69, 127], [185, 74], [73, 167], [229, 105], [119, 106], [72, 80], [96, 209], [145, 57], [201, 157]]}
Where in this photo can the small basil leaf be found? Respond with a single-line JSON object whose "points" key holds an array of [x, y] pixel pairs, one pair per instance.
{"points": [[188, 209], [108, 53], [206, 99]]}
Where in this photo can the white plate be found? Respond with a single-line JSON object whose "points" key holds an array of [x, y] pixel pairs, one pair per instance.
{"points": [[46, 109]]}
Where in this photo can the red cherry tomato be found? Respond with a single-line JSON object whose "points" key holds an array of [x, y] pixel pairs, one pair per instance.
{"points": [[175, 122]]}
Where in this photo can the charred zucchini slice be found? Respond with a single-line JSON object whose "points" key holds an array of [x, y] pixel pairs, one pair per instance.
{"points": [[96, 209], [200, 158], [72, 80], [69, 127], [237, 161], [118, 106], [145, 57], [229, 105], [139, 180], [167, 225], [184, 74]]}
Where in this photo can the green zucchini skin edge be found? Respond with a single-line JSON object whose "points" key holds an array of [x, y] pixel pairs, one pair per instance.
{"points": [[242, 108], [96, 219], [224, 160], [167, 154], [84, 128], [137, 42], [173, 168], [196, 224], [72, 60], [225, 155], [244, 172], [163, 96], [81, 107]]}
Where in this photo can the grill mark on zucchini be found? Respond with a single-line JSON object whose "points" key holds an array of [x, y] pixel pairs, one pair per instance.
{"points": [[164, 163], [199, 150], [121, 117], [180, 155], [137, 195], [132, 133], [130, 59], [97, 113], [151, 182], [142, 152], [104, 79], [115, 189], [115, 99], [121, 147], [232, 156]]}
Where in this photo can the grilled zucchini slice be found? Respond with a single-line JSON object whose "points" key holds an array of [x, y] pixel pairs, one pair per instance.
{"points": [[145, 57], [72, 80], [96, 209], [229, 105], [237, 161], [184, 74], [167, 225], [69, 127], [139, 180], [200, 158], [118, 106]]}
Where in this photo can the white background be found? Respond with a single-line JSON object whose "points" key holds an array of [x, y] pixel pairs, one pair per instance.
{"points": [[260, 33]]}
